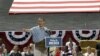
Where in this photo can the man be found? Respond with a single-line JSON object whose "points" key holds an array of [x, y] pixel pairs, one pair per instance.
{"points": [[29, 53], [39, 34], [71, 45], [3, 50], [89, 52], [24, 51], [32, 47], [1, 43], [15, 51], [64, 51], [77, 51]]}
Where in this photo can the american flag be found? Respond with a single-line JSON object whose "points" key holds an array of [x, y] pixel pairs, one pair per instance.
{"points": [[54, 6]]}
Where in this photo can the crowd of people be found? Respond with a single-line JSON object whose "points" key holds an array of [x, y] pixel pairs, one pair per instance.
{"points": [[71, 49], [27, 51]]}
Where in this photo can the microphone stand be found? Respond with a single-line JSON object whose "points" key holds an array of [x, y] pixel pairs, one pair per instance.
{"points": [[48, 49]]}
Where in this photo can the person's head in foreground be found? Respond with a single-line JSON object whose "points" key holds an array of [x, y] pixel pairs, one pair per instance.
{"points": [[41, 22], [29, 49], [32, 45], [89, 50], [0, 41], [15, 48], [77, 49], [25, 49], [1, 49], [70, 40]]}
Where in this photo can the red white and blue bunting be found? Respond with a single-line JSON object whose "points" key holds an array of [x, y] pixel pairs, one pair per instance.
{"points": [[18, 39], [59, 33], [79, 35], [25, 36]]}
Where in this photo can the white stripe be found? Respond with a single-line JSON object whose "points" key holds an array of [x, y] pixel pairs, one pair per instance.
{"points": [[48, 0], [86, 35], [64, 4], [56, 9], [18, 36]]}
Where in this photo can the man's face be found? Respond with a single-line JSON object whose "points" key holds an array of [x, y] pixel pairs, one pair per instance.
{"points": [[89, 50], [16, 48], [25, 49], [41, 22]]}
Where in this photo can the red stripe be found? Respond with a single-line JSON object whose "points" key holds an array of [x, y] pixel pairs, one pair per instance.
{"points": [[55, 2], [54, 7]]}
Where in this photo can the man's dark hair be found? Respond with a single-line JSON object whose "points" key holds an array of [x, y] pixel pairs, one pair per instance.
{"points": [[41, 18]]}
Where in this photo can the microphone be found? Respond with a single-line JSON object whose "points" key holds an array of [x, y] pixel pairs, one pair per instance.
{"points": [[48, 32]]}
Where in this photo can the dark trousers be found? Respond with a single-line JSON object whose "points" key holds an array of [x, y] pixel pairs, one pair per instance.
{"points": [[98, 52]]}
